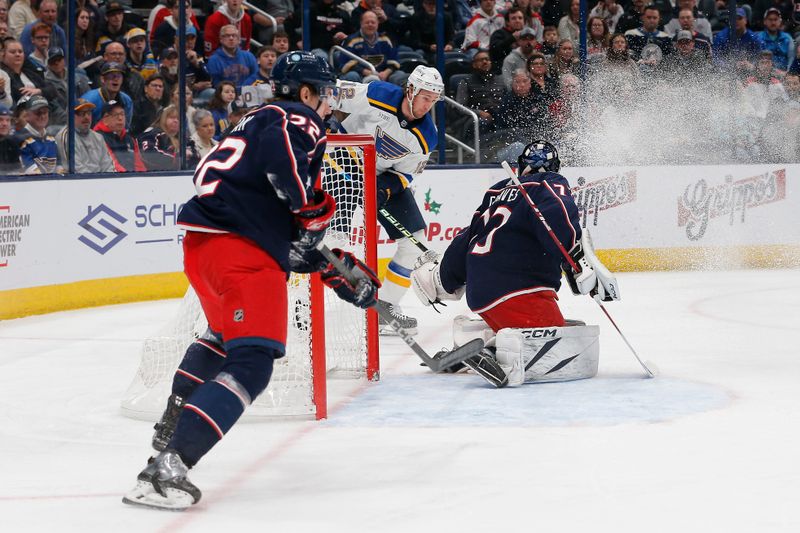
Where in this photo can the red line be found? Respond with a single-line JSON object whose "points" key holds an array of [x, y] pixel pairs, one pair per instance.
{"points": [[5, 208]]}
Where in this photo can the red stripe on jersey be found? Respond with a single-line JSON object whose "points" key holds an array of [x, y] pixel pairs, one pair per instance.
{"points": [[511, 295], [189, 376], [297, 178], [241, 398], [202, 414], [566, 215]]}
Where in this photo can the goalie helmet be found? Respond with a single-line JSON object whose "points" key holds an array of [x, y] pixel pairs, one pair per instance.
{"points": [[539, 156], [293, 69], [427, 78]]}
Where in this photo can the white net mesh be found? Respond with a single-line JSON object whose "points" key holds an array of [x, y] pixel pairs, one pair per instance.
{"points": [[291, 389]]}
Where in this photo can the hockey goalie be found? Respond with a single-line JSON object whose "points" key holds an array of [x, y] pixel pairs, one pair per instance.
{"points": [[509, 266]]}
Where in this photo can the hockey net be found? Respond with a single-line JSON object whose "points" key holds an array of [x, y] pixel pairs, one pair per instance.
{"points": [[326, 336]]}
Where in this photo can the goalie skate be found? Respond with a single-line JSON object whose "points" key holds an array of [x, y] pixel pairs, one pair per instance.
{"points": [[166, 426], [486, 366], [409, 324], [163, 485]]}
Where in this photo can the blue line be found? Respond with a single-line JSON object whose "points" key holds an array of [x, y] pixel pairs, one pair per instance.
{"points": [[154, 240]]}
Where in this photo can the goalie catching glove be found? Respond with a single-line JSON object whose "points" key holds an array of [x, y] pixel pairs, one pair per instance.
{"points": [[365, 291], [594, 278], [427, 280], [311, 221]]}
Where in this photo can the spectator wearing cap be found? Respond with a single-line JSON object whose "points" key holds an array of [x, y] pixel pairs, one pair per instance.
{"points": [[739, 50], [148, 107], [160, 12], [502, 41], [26, 78], [114, 28], [132, 81], [38, 152], [111, 77], [20, 14], [91, 154], [777, 41], [55, 89], [229, 62], [197, 76], [168, 68], [9, 149], [785, 7], [230, 12], [518, 57], [687, 22], [48, 15], [139, 58], [122, 147], [164, 34], [41, 44], [688, 60]]}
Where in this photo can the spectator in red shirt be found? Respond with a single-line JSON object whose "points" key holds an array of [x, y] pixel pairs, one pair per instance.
{"points": [[231, 12]]}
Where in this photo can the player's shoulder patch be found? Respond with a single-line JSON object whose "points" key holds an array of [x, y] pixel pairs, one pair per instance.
{"points": [[425, 132], [384, 95]]}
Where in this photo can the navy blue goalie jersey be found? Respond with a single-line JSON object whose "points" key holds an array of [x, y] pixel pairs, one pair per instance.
{"points": [[506, 250], [258, 176]]}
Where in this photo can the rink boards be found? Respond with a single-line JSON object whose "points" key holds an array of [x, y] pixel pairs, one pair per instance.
{"points": [[93, 241]]}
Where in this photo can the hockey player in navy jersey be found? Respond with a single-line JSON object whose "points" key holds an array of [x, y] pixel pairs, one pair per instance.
{"points": [[510, 269], [257, 216], [399, 120]]}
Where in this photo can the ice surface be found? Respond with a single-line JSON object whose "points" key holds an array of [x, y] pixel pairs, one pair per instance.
{"points": [[709, 445]]}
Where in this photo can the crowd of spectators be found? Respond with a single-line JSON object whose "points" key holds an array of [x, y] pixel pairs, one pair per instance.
{"points": [[515, 64]]}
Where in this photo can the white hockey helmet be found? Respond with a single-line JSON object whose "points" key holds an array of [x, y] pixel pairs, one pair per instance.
{"points": [[427, 78]]}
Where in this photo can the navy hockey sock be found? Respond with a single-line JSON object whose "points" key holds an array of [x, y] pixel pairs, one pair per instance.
{"points": [[216, 405], [203, 360]]}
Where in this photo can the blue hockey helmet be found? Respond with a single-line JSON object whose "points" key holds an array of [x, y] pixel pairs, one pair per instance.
{"points": [[539, 156], [293, 69]]}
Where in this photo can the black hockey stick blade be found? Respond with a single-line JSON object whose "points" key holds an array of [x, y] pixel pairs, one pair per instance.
{"points": [[457, 355]]}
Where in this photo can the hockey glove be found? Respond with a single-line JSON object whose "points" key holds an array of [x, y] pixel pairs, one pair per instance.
{"points": [[389, 184], [311, 221], [427, 281], [365, 292], [594, 278]]}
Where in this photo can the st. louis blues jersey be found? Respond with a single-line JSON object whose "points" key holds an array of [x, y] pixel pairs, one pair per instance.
{"points": [[402, 147], [262, 172], [506, 250]]}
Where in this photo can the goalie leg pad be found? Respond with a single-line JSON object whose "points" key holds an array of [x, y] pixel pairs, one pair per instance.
{"points": [[548, 354]]}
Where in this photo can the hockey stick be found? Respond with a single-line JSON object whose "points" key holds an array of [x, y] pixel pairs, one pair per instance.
{"points": [[437, 365], [513, 176]]}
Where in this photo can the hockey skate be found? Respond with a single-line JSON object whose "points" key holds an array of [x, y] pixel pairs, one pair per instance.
{"points": [[409, 324], [486, 366], [166, 426], [163, 484]]}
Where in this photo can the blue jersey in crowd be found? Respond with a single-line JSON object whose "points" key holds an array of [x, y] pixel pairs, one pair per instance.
{"points": [[506, 250], [258, 175]]}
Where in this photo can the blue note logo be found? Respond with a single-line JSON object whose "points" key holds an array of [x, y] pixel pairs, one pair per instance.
{"points": [[102, 227], [388, 147]]}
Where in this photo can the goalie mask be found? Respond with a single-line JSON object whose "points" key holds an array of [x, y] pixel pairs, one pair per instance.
{"points": [[539, 156]]}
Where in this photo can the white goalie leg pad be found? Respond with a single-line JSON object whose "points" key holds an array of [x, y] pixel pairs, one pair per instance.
{"points": [[467, 328], [548, 354]]}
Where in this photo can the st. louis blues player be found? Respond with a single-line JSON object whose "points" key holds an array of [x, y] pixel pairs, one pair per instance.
{"points": [[398, 118], [510, 268], [256, 217]]}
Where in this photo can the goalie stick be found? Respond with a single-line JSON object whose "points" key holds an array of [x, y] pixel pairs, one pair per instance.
{"points": [[513, 176], [456, 356]]}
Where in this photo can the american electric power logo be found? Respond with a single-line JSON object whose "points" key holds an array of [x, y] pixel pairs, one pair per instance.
{"points": [[11, 232], [102, 226], [702, 202], [594, 197]]}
